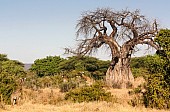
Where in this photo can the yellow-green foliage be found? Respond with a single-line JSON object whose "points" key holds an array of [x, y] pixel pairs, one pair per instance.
{"points": [[47, 66], [158, 92], [10, 71], [140, 72], [89, 93], [157, 89], [158, 83]]}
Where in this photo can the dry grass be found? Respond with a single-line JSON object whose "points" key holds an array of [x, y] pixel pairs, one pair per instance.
{"points": [[121, 94], [79, 107], [51, 100], [138, 81], [42, 96]]}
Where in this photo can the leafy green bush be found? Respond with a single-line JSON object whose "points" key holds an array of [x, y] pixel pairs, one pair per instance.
{"points": [[139, 67], [7, 86], [158, 83], [96, 68], [138, 62], [140, 72], [47, 66], [158, 92], [88, 93], [10, 72], [157, 86]]}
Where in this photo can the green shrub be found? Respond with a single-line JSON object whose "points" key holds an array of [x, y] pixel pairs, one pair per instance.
{"points": [[7, 86], [89, 93], [158, 83], [140, 72], [48, 66], [10, 73], [157, 86], [158, 92]]}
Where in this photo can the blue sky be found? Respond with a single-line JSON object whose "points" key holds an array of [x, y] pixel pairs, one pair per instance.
{"points": [[33, 29]]}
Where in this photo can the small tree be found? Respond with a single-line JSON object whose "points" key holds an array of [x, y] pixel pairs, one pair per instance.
{"points": [[158, 84], [10, 72], [118, 31], [46, 66], [97, 68]]}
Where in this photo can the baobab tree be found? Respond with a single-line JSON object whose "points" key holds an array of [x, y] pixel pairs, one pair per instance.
{"points": [[120, 32]]}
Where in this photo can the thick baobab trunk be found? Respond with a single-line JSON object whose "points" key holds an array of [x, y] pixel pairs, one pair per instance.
{"points": [[119, 74]]}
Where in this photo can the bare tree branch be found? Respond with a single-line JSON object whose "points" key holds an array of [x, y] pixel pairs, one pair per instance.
{"points": [[103, 26]]}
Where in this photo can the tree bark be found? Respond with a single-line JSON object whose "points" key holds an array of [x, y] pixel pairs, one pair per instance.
{"points": [[119, 74]]}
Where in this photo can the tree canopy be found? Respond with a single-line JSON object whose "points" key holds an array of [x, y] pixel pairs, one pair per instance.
{"points": [[46, 66], [53, 65], [158, 83], [10, 73]]}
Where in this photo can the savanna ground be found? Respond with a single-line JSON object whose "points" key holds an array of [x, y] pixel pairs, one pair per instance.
{"points": [[52, 100], [79, 107]]}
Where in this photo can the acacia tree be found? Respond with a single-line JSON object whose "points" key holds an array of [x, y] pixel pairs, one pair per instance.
{"points": [[120, 32]]}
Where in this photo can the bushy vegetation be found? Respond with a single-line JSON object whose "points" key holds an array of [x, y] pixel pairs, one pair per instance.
{"points": [[47, 66], [157, 87], [89, 93], [139, 67], [10, 72], [35, 82], [96, 68], [158, 83], [157, 94], [53, 65], [50, 72]]}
